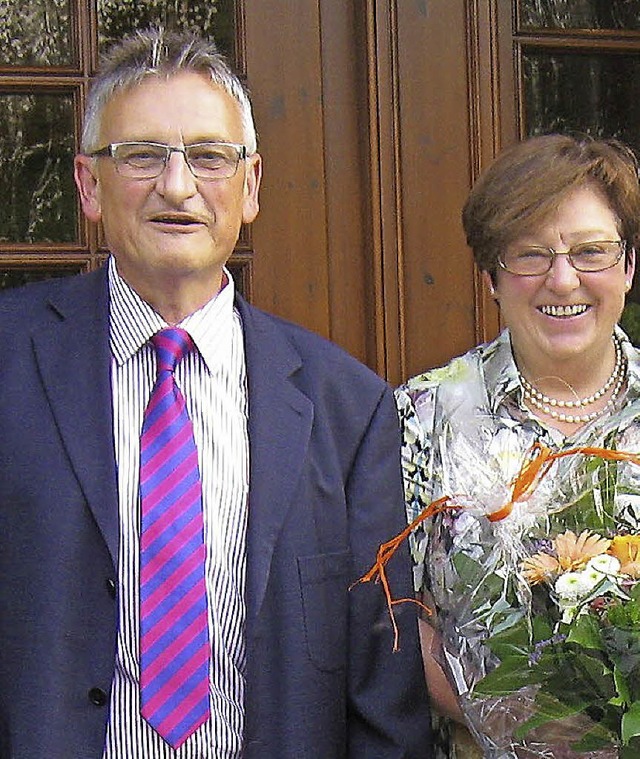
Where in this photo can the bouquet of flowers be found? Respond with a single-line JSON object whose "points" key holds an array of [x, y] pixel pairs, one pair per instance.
{"points": [[582, 647], [534, 568]]}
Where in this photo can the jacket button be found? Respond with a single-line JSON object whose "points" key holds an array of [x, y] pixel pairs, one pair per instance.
{"points": [[97, 696], [111, 587]]}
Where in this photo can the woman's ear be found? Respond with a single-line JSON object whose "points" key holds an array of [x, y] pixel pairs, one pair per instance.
{"points": [[488, 283], [630, 268]]}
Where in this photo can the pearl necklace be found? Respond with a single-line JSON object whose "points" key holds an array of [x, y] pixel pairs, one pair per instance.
{"points": [[549, 405]]}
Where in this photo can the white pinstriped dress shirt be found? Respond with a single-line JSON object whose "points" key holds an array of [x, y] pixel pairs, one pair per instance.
{"points": [[213, 381]]}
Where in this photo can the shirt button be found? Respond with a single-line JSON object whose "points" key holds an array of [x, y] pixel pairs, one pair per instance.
{"points": [[97, 696], [111, 587]]}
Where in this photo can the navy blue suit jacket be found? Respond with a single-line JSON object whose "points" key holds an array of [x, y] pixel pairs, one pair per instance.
{"points": [[325, 490]]}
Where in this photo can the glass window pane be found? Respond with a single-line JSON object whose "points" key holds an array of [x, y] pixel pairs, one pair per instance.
{"points": [[36, 168], [35, 33], [16, 276], [580, 14], [211, 18], [598, 94]]}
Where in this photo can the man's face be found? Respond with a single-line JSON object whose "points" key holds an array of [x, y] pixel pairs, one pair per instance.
{"points": [[175, 230]]}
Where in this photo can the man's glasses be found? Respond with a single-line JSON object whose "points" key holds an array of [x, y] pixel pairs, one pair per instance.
{"points": [[147, 160], [531, 261]]}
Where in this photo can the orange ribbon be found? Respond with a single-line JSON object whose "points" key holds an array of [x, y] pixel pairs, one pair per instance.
{"points": [[539, 464], [527, 480]]}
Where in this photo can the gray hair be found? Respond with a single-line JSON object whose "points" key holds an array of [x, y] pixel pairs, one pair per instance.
{"points": [[157, 52]]}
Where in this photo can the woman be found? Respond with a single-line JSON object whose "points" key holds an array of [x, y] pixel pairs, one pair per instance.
{"points": [[553, 225]]}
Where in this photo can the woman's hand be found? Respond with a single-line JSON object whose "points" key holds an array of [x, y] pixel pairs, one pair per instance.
{"points": [[443, 697]]}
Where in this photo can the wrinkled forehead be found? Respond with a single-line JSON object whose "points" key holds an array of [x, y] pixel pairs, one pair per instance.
{"points": [[181, 108]]}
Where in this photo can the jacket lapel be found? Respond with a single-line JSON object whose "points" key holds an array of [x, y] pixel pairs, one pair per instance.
{"points": [[280, 419], [72, 352], [76, 379]]}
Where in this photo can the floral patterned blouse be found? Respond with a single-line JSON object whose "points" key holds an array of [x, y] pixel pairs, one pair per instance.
{"points": [[466, 431]]}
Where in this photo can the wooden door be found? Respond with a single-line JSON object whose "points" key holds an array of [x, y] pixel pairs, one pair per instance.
{"points": [[374, 117]]}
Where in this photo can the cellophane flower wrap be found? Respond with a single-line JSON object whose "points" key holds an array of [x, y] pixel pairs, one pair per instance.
{"points": [[539, 604]]}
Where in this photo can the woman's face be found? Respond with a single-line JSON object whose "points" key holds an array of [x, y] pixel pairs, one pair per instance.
{"points": [[566, 314]]}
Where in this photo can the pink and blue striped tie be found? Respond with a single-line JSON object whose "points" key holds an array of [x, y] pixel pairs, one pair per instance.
{"points": [[174, 636]]}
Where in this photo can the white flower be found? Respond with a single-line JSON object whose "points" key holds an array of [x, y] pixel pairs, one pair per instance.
{"points": [[604, 564], [568, 613], [591, 577], [571, 586], [505, 450]]}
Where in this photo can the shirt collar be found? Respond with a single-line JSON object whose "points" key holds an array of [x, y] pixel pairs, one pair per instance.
{"points": [[132, 321], [500, 372]]}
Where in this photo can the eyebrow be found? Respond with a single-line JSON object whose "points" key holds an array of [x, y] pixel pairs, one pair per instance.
{"points": [[575, 238], [194, 141]]}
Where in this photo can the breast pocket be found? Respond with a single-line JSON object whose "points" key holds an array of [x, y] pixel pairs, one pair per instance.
{"points": [[324, 586]]}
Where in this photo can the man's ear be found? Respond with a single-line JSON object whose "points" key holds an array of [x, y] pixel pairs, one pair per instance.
{"points": [[87, 184], [253, 175]]}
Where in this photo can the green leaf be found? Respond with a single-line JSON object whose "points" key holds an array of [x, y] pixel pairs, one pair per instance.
{"points": [[586, 674], [632, 751], [510, 675], [513, 640], [622, 686], [623, 648], [470, 572], [594, 509], [601, 734], [549, 709], [625, 615], [505, 620], [598, 737], [487, 588], [631, 723], [585, 631]]}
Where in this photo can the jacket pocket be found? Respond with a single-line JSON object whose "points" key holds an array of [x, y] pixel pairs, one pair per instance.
{"points": [[324, 586]]}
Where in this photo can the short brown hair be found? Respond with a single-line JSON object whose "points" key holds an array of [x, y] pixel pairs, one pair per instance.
{"points": [[527, 181]]}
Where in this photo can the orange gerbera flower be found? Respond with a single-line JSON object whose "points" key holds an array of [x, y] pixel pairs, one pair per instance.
{"points": [[575, 551], [626, 548], [541, 567]]}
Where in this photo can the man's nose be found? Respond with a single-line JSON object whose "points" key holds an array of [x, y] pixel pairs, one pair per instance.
{"points": [[176, 182]]}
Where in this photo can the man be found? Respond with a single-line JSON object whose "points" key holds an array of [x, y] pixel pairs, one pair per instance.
{"points": [[287, 446]]}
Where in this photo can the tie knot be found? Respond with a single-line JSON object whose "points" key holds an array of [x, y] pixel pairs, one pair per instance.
{"points": [[171, 346]]}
